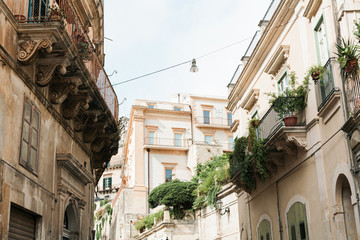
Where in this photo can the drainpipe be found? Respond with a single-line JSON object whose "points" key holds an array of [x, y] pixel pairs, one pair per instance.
{"points": [[249, 217], [191, 122], [148, 181], [278, 210]]}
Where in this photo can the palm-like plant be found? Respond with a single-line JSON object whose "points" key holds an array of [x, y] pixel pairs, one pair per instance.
{"points": [[348, 55]]}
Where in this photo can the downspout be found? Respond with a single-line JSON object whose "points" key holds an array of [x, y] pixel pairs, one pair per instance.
{"points": [[249, 218], [278, 209], [148, 181], [191, 122]]}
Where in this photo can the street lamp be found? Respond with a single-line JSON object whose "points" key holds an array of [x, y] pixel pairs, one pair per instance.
{"points": [[193, 68], [219, 207]]}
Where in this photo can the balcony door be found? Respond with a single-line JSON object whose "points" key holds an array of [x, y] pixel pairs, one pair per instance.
{"points": [[38, 10]]}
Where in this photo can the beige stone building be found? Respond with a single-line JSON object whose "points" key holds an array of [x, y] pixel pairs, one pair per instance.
{"points": [[312, 192], [58, 117], [165, 140]]}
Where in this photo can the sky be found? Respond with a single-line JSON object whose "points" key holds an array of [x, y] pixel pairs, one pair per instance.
{"points": [[148, 36]]}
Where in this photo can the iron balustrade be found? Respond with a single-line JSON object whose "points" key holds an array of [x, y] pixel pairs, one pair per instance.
{"points": [[325, 88], [171, 142], [271, 10], [253, 43], [272, 121], [38, 11], [352, 94], [213, 121]]}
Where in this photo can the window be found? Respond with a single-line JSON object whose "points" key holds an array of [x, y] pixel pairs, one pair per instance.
{"points": [[177, 108], [151, 106], [231, 143], [38, 9], [178, 139], [151, 137], [107, 183], [264, 230], [321, 42], [297, 224], [206, 116], [29, 152], [208, 139], [168, 174], [229, 118], [283, 83]]}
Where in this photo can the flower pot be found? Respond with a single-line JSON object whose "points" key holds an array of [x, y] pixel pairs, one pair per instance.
{"points": [[290, 121], [315, 75], [20, 18], [55, 17], [351, 65]]}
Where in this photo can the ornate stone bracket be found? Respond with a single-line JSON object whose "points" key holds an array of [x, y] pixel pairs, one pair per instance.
{"points": [[73, 104], [46, 71], [29, 50], [62, 87], [81, 120], [93, 130]]}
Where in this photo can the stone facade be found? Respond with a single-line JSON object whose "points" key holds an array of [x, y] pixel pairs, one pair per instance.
{"points": [[57, 131]]}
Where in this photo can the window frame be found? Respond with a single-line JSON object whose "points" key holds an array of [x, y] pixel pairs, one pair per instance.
{"points": [[229, 121], [172, 172], [176, 140], [209, 135], [176, 108], [106, 180], [27, 163]]}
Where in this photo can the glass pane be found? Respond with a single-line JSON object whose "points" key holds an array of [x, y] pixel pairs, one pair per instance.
{"points": [[151, 139], [168, 174], [208, 139], [27, 115], [231, 143], [33, 158], [26, 132], [35, 122], [206, 117], [34, 139], [293, 233], [229, 118], [302, 231], [177, 109], [178, 139], [24, 151]]}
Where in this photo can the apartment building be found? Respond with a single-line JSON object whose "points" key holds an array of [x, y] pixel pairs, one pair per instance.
{"points": [[58, 127], [166, 140], [312, 189]]}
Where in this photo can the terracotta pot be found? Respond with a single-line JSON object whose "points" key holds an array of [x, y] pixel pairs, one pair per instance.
{"points": [[315, 75], [20, 18], [290, 121], [351, 65]]}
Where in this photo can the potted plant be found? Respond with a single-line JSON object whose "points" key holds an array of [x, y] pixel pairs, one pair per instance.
{"points": [[55, 14], [316, 72], [357, 30], [83, 48], [348, 55], [291, 101]]}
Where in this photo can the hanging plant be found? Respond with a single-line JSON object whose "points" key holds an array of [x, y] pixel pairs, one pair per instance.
{"points": [[316, 72], [348, 56], [83, 48]]}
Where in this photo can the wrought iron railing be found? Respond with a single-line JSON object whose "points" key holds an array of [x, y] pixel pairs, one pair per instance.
{"points": [[36, 11], [273, 120], [352, 92], [325, 88], [213, 121], [171, 142]]}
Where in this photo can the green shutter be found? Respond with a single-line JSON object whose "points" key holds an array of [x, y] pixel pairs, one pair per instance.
{"points": [[297, 223], [104, 183], [264, 230]]}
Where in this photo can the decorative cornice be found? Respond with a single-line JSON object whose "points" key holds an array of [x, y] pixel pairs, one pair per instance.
{"points": [[277, 61], [73, 166]]}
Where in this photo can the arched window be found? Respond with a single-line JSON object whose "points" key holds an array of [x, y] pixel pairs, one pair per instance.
{"points": [[264, 230], [297, 223]]}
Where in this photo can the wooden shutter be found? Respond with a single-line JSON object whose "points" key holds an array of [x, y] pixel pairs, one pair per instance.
{"points": [[22, 225]]}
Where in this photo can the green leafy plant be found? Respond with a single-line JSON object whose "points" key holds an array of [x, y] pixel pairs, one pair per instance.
{"points": [[316, 72], [348, 55], [149, 221], [83, 48], [103, 202], [248, 160], [292, 100], [175, 194], [55, 13], [357, 29], [210, 176]]}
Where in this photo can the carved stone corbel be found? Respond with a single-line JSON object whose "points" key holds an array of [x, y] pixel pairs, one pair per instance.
{"points": [[73, 103], [297, 141], [98, 144], [92, 130], [46, 71], [62, 87], [29, 50], [282, 146]]}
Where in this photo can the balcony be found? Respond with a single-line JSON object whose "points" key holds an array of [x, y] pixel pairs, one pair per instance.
{"points": [[166, 143], [210, 122], [55, 46], [283, 133]]}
